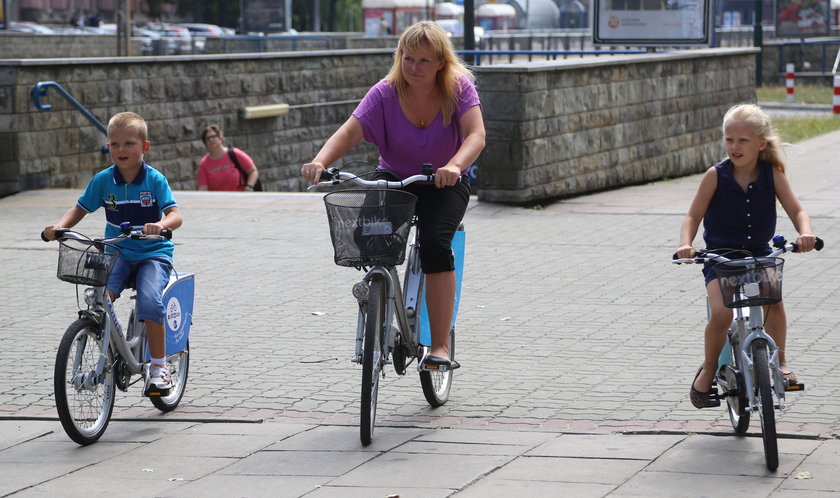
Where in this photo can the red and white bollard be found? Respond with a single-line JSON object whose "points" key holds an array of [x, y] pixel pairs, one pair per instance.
{"points": [[835, 104], [789, 81]]}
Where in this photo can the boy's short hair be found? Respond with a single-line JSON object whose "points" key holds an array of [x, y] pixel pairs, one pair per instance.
{"points": [[129, 120]]}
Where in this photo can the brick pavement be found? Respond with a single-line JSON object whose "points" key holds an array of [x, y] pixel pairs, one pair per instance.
{"points": [[572, 317]]}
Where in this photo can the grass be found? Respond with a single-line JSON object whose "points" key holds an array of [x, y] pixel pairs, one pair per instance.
{"points": [[803, 94], [796, 127]]}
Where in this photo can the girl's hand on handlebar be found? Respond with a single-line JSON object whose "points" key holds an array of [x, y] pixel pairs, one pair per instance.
{"points": [[312, 171], [805, 242], [684, 252], [447, 176]]}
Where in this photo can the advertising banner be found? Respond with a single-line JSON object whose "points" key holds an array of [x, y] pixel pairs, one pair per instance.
{"points": [[802, 18], [651, 22]]}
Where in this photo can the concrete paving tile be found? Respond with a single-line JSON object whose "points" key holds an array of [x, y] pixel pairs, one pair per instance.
{"points": [[641, 447], [280, 430], [249, 486], [824, 477], [586, 470], [723, 462], [798, 493], [733, 442], [207, 445], [346, 438], [61, 452], [13, 432], [73, 486], [671, 484], [490, 487], [331, 491], [20, 476], [439, 448], [497, 437], [446, 471], [299, 463]]}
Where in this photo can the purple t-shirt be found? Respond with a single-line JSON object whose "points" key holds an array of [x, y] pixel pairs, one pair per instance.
{"points": [[403, 147]]}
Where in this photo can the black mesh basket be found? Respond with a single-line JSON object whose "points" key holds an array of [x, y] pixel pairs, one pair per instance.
{"points": [[750, 282], [84, 262], [369, 227]]}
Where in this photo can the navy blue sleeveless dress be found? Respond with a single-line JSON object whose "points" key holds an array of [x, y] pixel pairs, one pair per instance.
{"points": [[740, 220]]}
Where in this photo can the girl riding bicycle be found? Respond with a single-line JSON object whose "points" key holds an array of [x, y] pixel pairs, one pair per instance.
{"points": [[736, 201], [425, 110]]}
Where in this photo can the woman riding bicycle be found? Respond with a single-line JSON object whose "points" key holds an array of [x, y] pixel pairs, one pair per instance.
{"points": [[426, 110], [737, 202]]}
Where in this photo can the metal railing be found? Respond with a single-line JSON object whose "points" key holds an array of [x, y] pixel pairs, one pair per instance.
{"points": [[548, 54], [262, 41], [40, 90]]}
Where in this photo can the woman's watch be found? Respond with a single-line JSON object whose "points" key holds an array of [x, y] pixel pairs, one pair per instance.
{"points": [[249, 187]]}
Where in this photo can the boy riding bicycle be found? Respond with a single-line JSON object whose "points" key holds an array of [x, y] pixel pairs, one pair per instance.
{"points": [[132, 191]]}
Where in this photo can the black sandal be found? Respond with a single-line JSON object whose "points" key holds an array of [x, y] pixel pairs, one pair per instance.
{"points": [[702, 399]]}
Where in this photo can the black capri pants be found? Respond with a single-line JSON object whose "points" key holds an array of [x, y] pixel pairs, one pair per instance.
{"points": [[439, 213]]}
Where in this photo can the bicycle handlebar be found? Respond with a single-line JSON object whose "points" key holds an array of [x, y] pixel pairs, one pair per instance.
{"points": [[779, 242], [334, 176], [66, 233]]}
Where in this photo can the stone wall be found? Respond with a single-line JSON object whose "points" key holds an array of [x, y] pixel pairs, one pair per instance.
{"points": [[555, 129], [31, 46], [565, 128], [178, 96]]}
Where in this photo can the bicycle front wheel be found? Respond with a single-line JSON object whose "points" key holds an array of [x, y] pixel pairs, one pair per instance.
{"points": [[436, 385], [84, 400], [179, 367], [371, 358], [766, 404]]}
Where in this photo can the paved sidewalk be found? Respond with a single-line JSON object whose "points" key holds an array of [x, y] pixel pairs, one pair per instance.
{"points": [[578, 341]]}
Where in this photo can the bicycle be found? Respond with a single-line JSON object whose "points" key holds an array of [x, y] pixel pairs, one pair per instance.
{"points": [[749, 375], [369, 230], [94, 355]]}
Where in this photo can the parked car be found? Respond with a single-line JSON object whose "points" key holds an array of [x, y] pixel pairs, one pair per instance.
{"points": [[153, 42], [182, 36], [30, 27], [202, 30]]}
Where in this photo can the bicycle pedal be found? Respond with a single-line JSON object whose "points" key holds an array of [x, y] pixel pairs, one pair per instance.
{"points": [[794, 386]]}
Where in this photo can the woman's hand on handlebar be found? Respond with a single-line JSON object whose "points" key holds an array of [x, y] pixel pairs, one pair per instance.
{"points": [[312, 171], [447, 176]]}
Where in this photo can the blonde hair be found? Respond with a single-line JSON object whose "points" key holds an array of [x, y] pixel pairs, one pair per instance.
{"points": [[755, 115], [429, 33], [131, 121]]}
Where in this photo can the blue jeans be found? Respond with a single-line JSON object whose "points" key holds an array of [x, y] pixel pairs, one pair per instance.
{"points": [[150, 277]]}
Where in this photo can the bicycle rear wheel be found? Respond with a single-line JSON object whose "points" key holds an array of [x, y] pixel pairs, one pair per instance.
{"points": [[371, 358], [84, 400], [766, 404], [436, 385], [179, 366]]}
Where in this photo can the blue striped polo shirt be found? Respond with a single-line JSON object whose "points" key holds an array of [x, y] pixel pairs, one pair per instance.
{"points": [[138, 202]]}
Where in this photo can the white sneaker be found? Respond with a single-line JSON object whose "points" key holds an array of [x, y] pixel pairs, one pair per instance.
{"points": [[159, 377]]}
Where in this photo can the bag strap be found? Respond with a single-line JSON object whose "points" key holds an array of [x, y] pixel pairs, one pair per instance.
{"points": [[238, 166]]}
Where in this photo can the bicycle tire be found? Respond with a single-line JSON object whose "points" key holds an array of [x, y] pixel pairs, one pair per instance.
{"points": [[179, 367], [733, 376], [766, 405], [84, 404], [371, 359], [436, 385]]}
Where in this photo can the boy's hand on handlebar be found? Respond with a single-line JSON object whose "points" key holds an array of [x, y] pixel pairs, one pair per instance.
{"points": [[447, 176], [49, 232], [152, 228], [312, 171], [805, 242]]}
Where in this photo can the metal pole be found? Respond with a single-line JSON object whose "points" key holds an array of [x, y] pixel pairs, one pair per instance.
{"points": [[758, 40], [288, 15], [316, 16], [469, 29]]}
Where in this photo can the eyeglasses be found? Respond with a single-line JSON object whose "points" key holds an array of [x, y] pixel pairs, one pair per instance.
{"points": [[208, 137]]}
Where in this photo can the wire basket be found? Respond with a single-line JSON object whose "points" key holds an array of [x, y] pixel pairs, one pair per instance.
{"points": [[750, 282], [369, 227], [84, 262]]}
